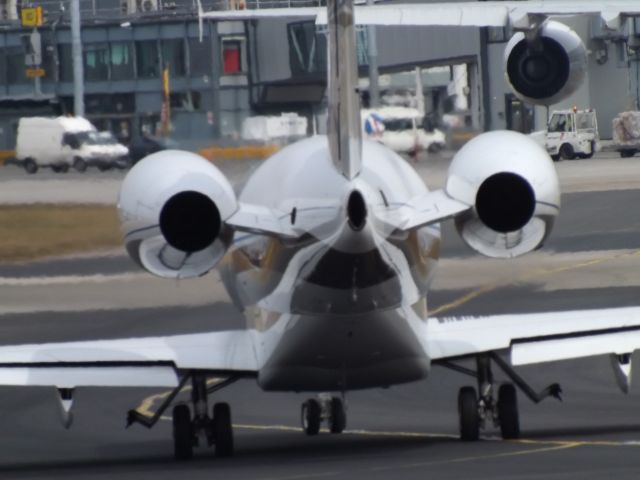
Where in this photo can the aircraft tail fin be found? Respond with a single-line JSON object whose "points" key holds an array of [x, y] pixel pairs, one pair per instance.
{"points": [[344, 125]]}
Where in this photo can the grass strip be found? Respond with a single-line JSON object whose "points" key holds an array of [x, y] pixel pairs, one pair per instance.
{"points": [[29, 232]]}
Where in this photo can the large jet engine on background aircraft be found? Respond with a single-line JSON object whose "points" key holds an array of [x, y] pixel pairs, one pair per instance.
{"points": [[513, 187], [173, 206], [547, 66]]}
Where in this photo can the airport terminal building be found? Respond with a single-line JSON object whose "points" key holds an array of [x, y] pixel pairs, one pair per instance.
{"points": [[240, 69]]}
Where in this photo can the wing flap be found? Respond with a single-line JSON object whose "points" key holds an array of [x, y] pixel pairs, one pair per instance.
{"points": [[620, 343], [536, 337], [94, 376], [150, 361]]}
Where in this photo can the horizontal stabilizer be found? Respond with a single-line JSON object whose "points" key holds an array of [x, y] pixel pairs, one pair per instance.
{"points": [[260, 219], [426, 209]]}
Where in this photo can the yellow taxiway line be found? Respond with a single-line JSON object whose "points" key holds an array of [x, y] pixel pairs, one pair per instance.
{"points": [[526, 277]]}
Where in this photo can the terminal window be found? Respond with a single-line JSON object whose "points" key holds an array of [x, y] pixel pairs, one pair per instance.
{"points": [[148, 61]]}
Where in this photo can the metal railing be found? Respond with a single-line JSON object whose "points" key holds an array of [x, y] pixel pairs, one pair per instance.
{"points": [[119, 10]]}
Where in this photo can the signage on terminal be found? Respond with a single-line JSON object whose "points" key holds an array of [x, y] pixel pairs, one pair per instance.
{"points": [[32, 17]]}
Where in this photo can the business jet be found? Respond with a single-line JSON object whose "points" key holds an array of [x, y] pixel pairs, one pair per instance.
{"points": [[331, 246]]}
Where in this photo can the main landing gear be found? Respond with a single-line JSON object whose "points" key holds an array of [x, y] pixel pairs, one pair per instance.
{"points": [[475, 410], [324, 408], [192, 423]]}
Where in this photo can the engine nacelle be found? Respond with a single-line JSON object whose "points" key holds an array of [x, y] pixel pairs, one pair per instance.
{"points": [[173, 206], [548, 68], [512, 184]]}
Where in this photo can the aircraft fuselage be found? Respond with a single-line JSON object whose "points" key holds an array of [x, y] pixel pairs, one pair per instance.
{"points": [[340, 307]]}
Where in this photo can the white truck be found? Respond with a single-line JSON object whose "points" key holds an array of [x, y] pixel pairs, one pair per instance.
{"points": [[64, 142], [401, 129], [572, 134]]}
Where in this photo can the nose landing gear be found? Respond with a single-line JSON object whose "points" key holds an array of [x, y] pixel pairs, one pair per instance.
{"points": [[324, 408]]}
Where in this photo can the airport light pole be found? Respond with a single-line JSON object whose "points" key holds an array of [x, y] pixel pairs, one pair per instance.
{"points": [[76, 52], [485, 78], [374, 88]]}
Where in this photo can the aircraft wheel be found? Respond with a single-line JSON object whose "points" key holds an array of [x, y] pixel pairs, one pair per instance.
{"points": [[567, 152], [591, 153], [223, 429], [182, 432], [311, 417], [338, 418], [80, 164], [468, 414], [30, 166], [508, 411]]}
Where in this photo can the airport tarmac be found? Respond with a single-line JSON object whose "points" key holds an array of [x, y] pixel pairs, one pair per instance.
{"points": [[606, 171], [409, 431]]}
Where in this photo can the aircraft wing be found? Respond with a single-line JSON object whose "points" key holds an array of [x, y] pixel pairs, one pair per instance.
{"points": [[135, 362], [516, 14], [536, 337]]}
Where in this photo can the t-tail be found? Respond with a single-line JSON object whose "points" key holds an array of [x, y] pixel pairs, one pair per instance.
{"points": [[344, 124]]}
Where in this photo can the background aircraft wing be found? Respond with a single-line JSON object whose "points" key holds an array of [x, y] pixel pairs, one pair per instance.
{"points": [[516, 14], [537, 337], [135, 362]]}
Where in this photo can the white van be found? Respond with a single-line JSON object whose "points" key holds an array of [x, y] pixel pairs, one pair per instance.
{"points": [[65, 142]]}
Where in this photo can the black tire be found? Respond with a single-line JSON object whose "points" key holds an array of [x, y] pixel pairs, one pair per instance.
{"points": [[338, 419], [627, 153], [30, 166], [555, 158], [468, 414], [182, 432], [508, 412], [311, 417], [591, 153], [79, 164], [566, 151], [223, 429]]}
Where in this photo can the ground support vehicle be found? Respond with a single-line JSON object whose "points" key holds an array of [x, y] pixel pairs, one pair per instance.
{"points": [[572, 134]]}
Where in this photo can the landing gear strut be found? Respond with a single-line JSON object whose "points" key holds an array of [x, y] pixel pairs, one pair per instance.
{"points": [[324, 408], [189, 427], [476, 409]]}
